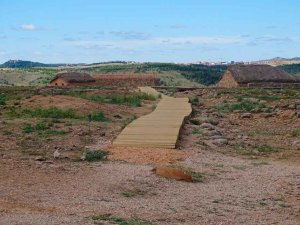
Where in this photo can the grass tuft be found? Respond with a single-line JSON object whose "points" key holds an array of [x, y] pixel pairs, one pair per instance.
{"points": [[97, 116], [92, 156], [266, 148], [52, 112], [296, 133], [243, 104], [119, 220]]}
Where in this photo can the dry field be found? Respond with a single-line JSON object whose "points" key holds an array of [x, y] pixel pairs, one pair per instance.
{"points": [[243, 146]]}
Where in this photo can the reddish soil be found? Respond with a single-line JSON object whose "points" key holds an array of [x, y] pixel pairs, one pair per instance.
{"points": [[240, 185], [82, 106], [146, 156]]}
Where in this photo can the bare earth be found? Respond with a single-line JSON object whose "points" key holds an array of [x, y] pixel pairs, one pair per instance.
{"points": [[237, 188]]}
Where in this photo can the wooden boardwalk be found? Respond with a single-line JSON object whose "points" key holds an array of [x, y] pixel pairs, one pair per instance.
{"points": [[159, 129]]}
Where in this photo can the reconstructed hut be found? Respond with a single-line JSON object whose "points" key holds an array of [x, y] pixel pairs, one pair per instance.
{"points": [[257, 76], [68, 79]]}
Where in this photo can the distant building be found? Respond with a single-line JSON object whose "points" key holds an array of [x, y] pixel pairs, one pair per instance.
{"points": [[72, 79], [257, 76]]}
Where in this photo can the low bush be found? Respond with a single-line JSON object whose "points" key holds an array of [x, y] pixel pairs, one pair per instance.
{"points": [[97, 116], [27, 128], [134, 99], [119, 220], [92, 156], [296, 133], [56, 132], [266, 148], [3, 99], [243, 104], [194, 101], [52, 112], [41, 126]]}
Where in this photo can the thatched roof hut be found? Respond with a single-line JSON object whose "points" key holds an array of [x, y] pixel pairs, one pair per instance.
{"points": [[71, 78], [250, 75]]}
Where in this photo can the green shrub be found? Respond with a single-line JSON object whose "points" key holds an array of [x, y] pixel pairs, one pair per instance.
{"points": [[266, 148], [134, 99], [243, 104], [194, 101], [196, 176], [52, 112], [119, 220], [296, 133], [41, 126], [56, 132], [27, 128], [99, 155], [97, 116], [3, 99]]}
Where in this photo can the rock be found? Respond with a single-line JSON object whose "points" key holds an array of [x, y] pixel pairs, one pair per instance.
{"points": [[246, 115], [263, 102], [211, 133], [39, 158], [252, 100], [58, 167], [221, 141], [6, 156], [245, 137], [117, 116], [173, 173], [266, 110], [267, 115], [256, 110], [56, 154], [207, 126], [285, 106], [213, 121], [216, 137], [287, 114], [291, 106], [211, 111], [237, 111], [296, 142], [195, 121]]}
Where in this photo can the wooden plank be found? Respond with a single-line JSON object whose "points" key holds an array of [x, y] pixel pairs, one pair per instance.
{"points": [[159, 129]]}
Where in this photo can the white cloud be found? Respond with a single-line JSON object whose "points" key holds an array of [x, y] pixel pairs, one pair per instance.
{"points": [[2, 53], [37, 53], [160, 41], [29, 27]]}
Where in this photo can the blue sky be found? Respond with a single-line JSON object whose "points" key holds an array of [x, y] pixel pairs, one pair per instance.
{"points": [[72, 31]]}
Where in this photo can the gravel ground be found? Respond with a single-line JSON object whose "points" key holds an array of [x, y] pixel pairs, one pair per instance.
{"points": [[235, 191]]}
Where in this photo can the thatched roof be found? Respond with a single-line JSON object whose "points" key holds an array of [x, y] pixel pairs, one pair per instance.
{"points": [[75, 77], [260, 73]]}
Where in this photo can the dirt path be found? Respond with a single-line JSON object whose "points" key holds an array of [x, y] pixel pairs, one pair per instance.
{"points": [[158, 129]]}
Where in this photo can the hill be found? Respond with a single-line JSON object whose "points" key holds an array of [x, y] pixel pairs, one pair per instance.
{"points": [[22, 64], [201, 74], [279, 61], [293, 69]]}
